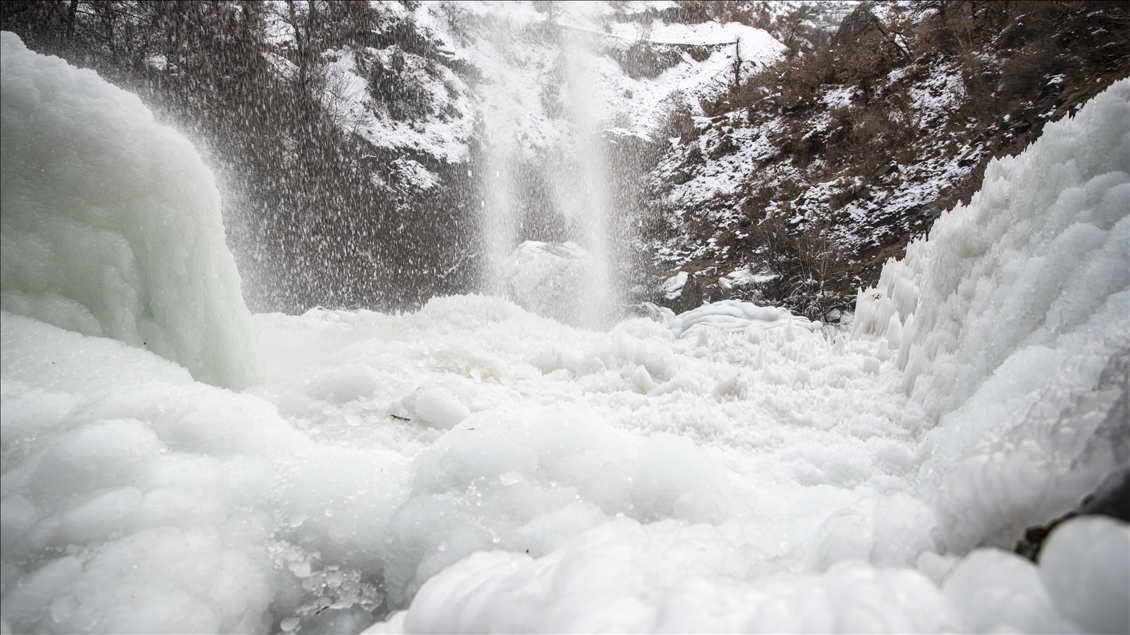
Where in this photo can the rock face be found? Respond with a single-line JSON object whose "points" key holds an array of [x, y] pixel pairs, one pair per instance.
{"points": [[821, 168], [857, 22]]}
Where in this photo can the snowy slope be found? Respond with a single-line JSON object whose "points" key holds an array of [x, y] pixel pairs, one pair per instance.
{"points": [[516, 49], [472, 467], [495, 73], [861, 145]]}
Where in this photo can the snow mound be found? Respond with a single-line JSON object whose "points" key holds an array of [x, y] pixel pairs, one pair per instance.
{"points": [[1011, 418], [1085, 566], [735, 315], [547, 278], [129, 491], [111, 222], [1006, 321], [604, 583], [1082, 580]]}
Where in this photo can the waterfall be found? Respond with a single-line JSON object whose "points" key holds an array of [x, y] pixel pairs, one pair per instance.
{"points": [[545, 178]]}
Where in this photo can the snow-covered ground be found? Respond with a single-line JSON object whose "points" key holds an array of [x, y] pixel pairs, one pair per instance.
{"points": [[473, 466]]}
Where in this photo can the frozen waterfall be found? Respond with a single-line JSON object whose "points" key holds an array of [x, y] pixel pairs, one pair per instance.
{"points": [[474, 466]]}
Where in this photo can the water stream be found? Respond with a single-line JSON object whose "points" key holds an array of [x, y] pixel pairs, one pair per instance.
{"points": [[546, 202]]}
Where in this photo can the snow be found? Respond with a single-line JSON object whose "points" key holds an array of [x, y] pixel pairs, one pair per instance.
{"points": [[473, 466], [735, 315], [755, 46], [507, 45], [643, 104], [937, 95], [840, 97], [707, 181], [523, 44], [444, 134], [673, 286], [345, 94], [111, 222]]}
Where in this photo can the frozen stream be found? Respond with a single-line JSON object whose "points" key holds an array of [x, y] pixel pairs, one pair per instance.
{"points": [[475, 467]]}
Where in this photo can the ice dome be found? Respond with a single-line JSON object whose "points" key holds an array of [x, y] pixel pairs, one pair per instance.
{"points": [[111, 222], [547, 278]]}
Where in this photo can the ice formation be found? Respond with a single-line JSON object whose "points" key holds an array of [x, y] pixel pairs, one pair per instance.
{"points": [[1004, 321], [735, 315], [111, 222], [474, 466], [547, 278]]}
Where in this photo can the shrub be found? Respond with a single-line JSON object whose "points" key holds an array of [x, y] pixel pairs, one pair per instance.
{"points": [[811, 263]]}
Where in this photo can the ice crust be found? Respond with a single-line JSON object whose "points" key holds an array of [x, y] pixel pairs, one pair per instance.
{"points": [[735, 315], [473, 466], [111, 222]]}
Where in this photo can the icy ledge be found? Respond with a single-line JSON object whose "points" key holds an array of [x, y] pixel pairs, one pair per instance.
{"points": [[111, 222]]}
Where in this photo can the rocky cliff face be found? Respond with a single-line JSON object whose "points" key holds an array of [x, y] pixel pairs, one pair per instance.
{"points": [[797, 185], [352, 139]]}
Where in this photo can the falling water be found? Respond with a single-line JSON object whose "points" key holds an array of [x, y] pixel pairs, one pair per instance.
{"points": [[584, 195], [573, 163]]}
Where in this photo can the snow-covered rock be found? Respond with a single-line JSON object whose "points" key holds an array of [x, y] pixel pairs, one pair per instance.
{"points": [[734, 315], [547, 278]]}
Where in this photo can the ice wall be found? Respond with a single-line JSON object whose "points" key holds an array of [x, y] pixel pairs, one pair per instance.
{"points": [[111, 223], [1011, 323]]}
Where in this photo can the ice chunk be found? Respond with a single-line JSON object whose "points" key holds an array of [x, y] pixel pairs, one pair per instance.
{"points": [[440, 408], [111, 222], [735, 315], [1085, 565], [547, 278], [999, 591]]}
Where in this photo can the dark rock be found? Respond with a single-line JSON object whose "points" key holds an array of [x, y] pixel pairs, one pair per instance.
{"points": [[855, 24], [1112, 496]]}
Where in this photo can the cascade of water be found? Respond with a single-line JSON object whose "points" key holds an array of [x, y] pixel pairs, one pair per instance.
{"points": [[503, 106], [585, 198], [499, 222], [560, 136]]}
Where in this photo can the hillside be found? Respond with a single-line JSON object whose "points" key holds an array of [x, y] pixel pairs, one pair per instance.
{"points": [[795, 187]]}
